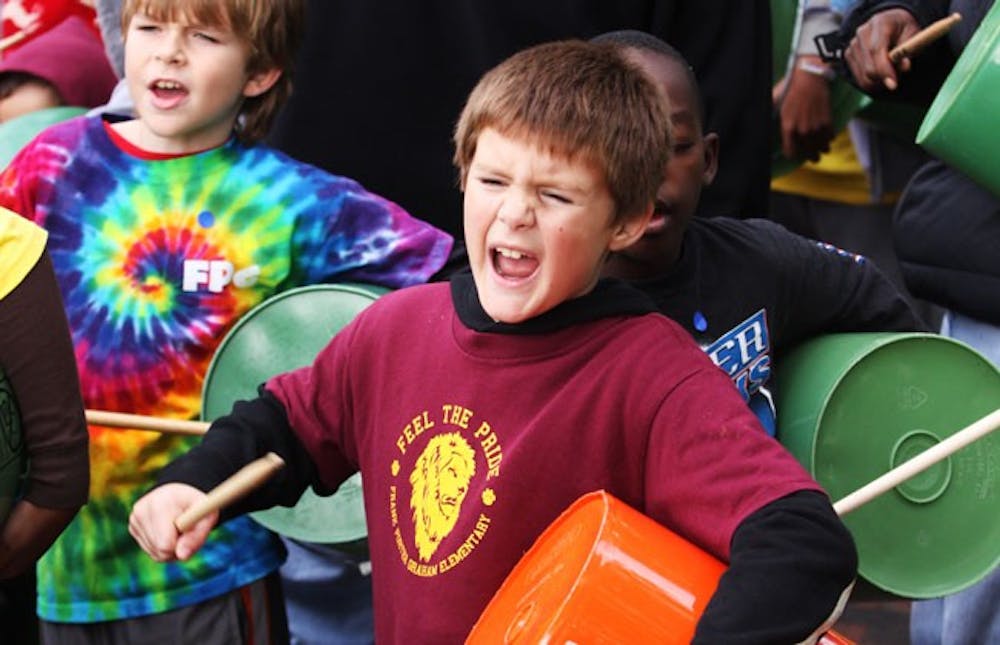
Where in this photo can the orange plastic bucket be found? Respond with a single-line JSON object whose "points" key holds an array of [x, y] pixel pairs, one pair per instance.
{"points": [[604, 573]]}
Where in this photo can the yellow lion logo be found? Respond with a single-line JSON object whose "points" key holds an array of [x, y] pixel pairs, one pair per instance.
{"points": [[440, 481]]}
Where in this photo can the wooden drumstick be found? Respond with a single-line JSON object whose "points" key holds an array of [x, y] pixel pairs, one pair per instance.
{"points": [[236, 486], [919, 463], [14, 38], [143, 422], [924, 37]]}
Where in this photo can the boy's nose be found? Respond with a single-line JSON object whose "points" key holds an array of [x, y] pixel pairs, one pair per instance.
{"points": [[516, 212], [169, 50]]}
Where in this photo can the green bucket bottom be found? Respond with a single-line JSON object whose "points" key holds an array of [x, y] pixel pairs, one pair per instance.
{"points": [[280, 334], [962, 126], [853, 406]]}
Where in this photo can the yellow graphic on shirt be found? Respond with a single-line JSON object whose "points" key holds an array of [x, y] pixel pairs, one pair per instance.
{"points": [[441, 470], [440, 480]]}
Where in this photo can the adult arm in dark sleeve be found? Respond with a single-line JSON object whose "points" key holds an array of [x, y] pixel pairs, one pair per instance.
{"points": [[36, 354], [946, 230], [801, 561], [251, 430]]}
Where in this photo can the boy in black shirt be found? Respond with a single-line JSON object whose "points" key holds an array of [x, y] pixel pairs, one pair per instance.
{"points": [[745, 289]]}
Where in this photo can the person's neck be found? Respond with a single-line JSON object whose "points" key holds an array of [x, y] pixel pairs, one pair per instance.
{"points": [[627, 267], [138, 137]]}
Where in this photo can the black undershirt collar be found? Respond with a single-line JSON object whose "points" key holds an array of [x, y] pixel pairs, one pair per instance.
{"points": [[611, 297]]}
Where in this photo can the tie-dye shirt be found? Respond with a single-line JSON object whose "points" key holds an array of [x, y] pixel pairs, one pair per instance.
{"points": [[156, 261]]}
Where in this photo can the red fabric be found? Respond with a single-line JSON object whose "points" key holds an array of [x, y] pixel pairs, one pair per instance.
{"points": [[69, 57], [39, 16], [134, 150], [500, 433]]}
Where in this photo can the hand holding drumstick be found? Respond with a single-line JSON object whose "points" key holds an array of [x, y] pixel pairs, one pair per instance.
{"points": [[173, 521], [885, 43]]}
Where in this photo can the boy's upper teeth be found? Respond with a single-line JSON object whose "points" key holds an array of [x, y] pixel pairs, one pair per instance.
{"points": [[168, 85], [510, 253]]}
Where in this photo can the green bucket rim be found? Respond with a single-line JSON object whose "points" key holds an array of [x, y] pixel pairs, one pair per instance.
{"points": [[299, 522], [904, 447], [247, 318], [971, 58], [942, 131]]}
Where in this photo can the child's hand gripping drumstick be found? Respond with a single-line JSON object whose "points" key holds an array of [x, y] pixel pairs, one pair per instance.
{"points": [[172, 521], [236, 486]]}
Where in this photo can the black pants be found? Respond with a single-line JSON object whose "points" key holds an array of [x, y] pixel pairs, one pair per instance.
{"points": [[17, 609]]}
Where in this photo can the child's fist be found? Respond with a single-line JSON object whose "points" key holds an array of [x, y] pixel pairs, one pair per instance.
{"points": [[152, 523]]}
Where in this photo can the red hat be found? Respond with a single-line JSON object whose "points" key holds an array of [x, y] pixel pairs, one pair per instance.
{"points": [[71, 58]]}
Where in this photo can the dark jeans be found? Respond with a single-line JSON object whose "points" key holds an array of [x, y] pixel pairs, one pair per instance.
{"points": [[17, 609]]}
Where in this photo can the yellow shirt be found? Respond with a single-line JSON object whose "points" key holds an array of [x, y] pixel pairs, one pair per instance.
{"points": [[21, 244], [836, 177]]}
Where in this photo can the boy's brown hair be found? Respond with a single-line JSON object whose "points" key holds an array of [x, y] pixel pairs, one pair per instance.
{"points": [[273, 30], [577, 98]]}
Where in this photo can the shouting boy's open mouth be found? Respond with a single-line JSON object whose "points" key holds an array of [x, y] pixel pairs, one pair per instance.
{"points": [[512, 263]]}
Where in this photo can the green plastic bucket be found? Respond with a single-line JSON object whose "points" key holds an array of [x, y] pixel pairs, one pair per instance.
{"points": [[845, 99], [12, 458], [853, 406], [962, 125], [16, 133], [281, 334]]}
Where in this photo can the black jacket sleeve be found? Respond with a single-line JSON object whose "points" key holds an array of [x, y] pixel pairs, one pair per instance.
{"points": [[251, 430], [792, 565], [832, 291], [946, 231]]}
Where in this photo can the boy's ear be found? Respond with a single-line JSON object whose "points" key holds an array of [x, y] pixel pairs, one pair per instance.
{"points": [[711, 146], [628, 231], [262, 81]]}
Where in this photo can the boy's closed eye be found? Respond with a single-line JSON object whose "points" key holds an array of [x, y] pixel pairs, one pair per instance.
{"points": [[198, 32], [208, 36], [146, 26], [556, 197], [490, 181]]}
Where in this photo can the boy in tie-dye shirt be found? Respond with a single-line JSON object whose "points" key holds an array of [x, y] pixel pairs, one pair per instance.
{"points": [[164, 230]]}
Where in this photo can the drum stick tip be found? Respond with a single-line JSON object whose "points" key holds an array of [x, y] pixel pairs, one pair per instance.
{"points": [[924, 37]]}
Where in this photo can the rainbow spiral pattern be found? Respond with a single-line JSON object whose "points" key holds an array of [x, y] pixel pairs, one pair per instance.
{"points": [[156, 261]]}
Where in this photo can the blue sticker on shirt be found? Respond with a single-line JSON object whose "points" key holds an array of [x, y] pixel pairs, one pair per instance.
{"points": [[744, 353]]}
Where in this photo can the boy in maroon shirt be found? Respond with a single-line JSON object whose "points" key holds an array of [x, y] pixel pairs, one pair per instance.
{"points": [[477, 412]]}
